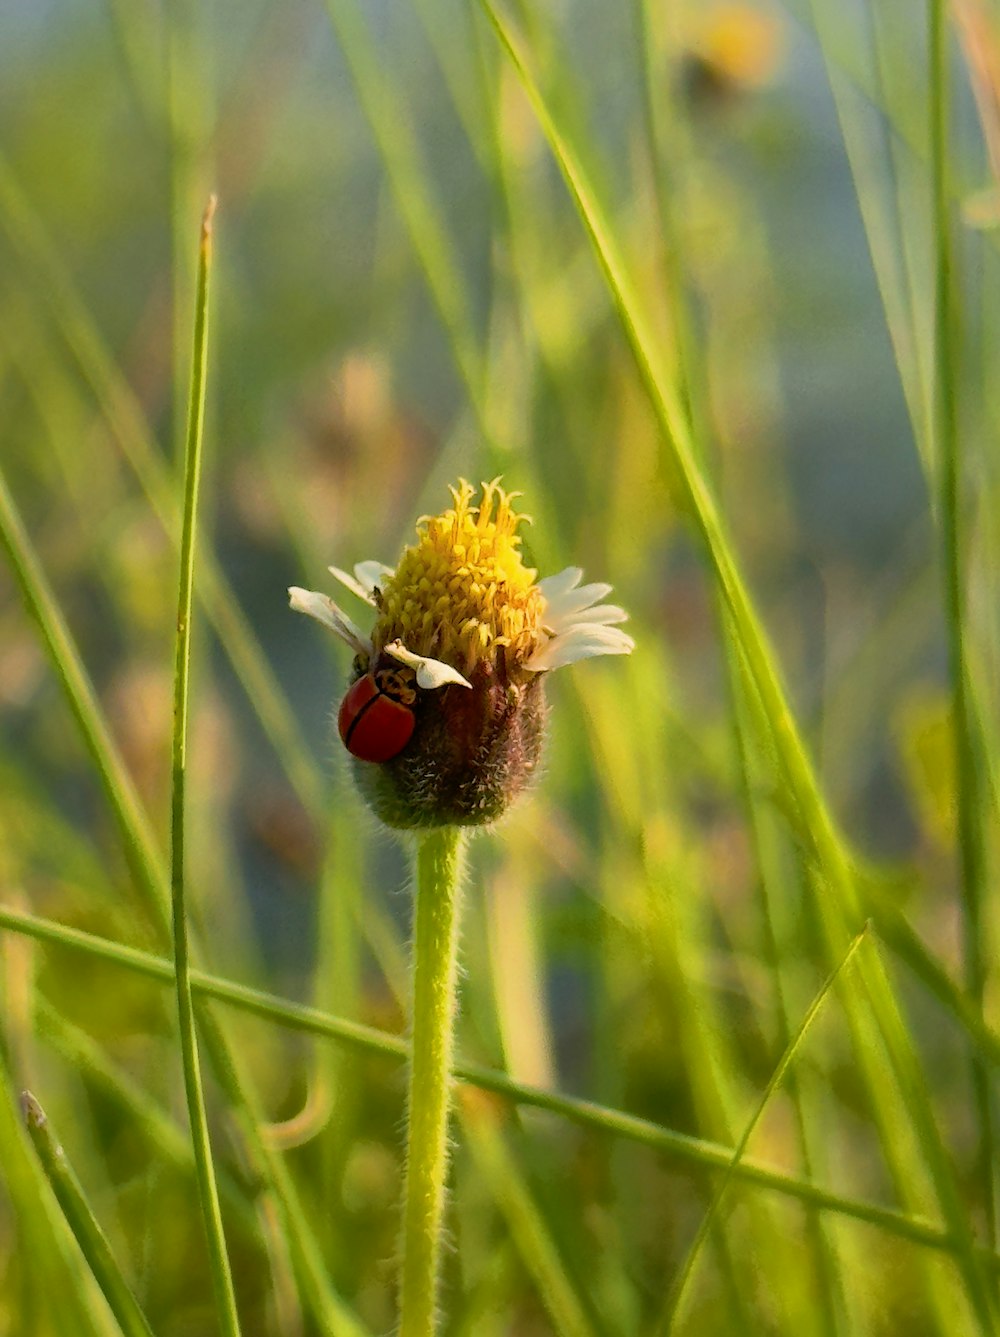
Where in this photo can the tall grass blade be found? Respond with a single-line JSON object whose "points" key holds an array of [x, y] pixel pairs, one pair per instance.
{"points": [[81, 1220], [675, 1298], [56, 1291], [908, 1106], [587, 1113], [968, 743], [208, 1193], [147, 865], [408, 181], [133, 825], [539, 1250], [161, 1130], [768, 842], [128, 424]]}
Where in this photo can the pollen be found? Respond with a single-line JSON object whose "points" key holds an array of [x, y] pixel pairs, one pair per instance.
{"points": [[462, 593]]}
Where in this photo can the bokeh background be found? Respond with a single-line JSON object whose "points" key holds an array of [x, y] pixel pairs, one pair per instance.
{"points": [[403, 294]]}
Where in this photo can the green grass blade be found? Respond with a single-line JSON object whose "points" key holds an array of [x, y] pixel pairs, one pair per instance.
{"points": [[901, 1104], [208, 1192], [151, 877], [408, 181], [133, 825], [81, 1220], [589, 1114], [883, 214], [968, 740], [538, 1249], [187, 93], [161, 1130], [130, 429], [56, 1293], [332, 1315], [666, 118], [813, 819], [675, 1298], [769, 843]]}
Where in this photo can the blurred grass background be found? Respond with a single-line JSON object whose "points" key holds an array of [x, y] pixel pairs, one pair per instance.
{"points": [[403, 293]]}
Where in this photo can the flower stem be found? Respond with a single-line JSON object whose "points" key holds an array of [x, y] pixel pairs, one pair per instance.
{"points": [[435, 990]]}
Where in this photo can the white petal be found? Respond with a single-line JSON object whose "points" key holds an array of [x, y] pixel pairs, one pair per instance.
{"points": [[323, 609], [366, 576], [575, 601], [580, 642], [553, 586], [431, 673], [370, 574], [353, 585], [605, 614]]}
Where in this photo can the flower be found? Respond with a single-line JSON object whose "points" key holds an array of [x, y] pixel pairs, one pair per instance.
{"points": [[732, 48], [475, 634]]}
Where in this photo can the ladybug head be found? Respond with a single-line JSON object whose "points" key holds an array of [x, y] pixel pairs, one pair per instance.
{"points": [[397, 682]]}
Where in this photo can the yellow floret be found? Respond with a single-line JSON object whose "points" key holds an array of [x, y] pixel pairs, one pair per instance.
{"points": [[462, 593]]}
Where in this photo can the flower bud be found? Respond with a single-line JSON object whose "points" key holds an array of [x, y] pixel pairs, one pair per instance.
{"points": [[445, 713], [473, 750]]}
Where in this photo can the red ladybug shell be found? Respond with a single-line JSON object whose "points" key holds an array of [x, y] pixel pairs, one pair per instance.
{"points": [[373, 726]]}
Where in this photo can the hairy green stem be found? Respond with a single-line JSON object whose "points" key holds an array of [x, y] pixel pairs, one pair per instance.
{"points": [[222, 1281], [435, 991]]}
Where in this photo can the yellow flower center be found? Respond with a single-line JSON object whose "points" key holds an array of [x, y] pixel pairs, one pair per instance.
{"points": [[461, 593]]}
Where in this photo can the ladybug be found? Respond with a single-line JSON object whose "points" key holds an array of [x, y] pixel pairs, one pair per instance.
{"points": [[376, 719]]}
